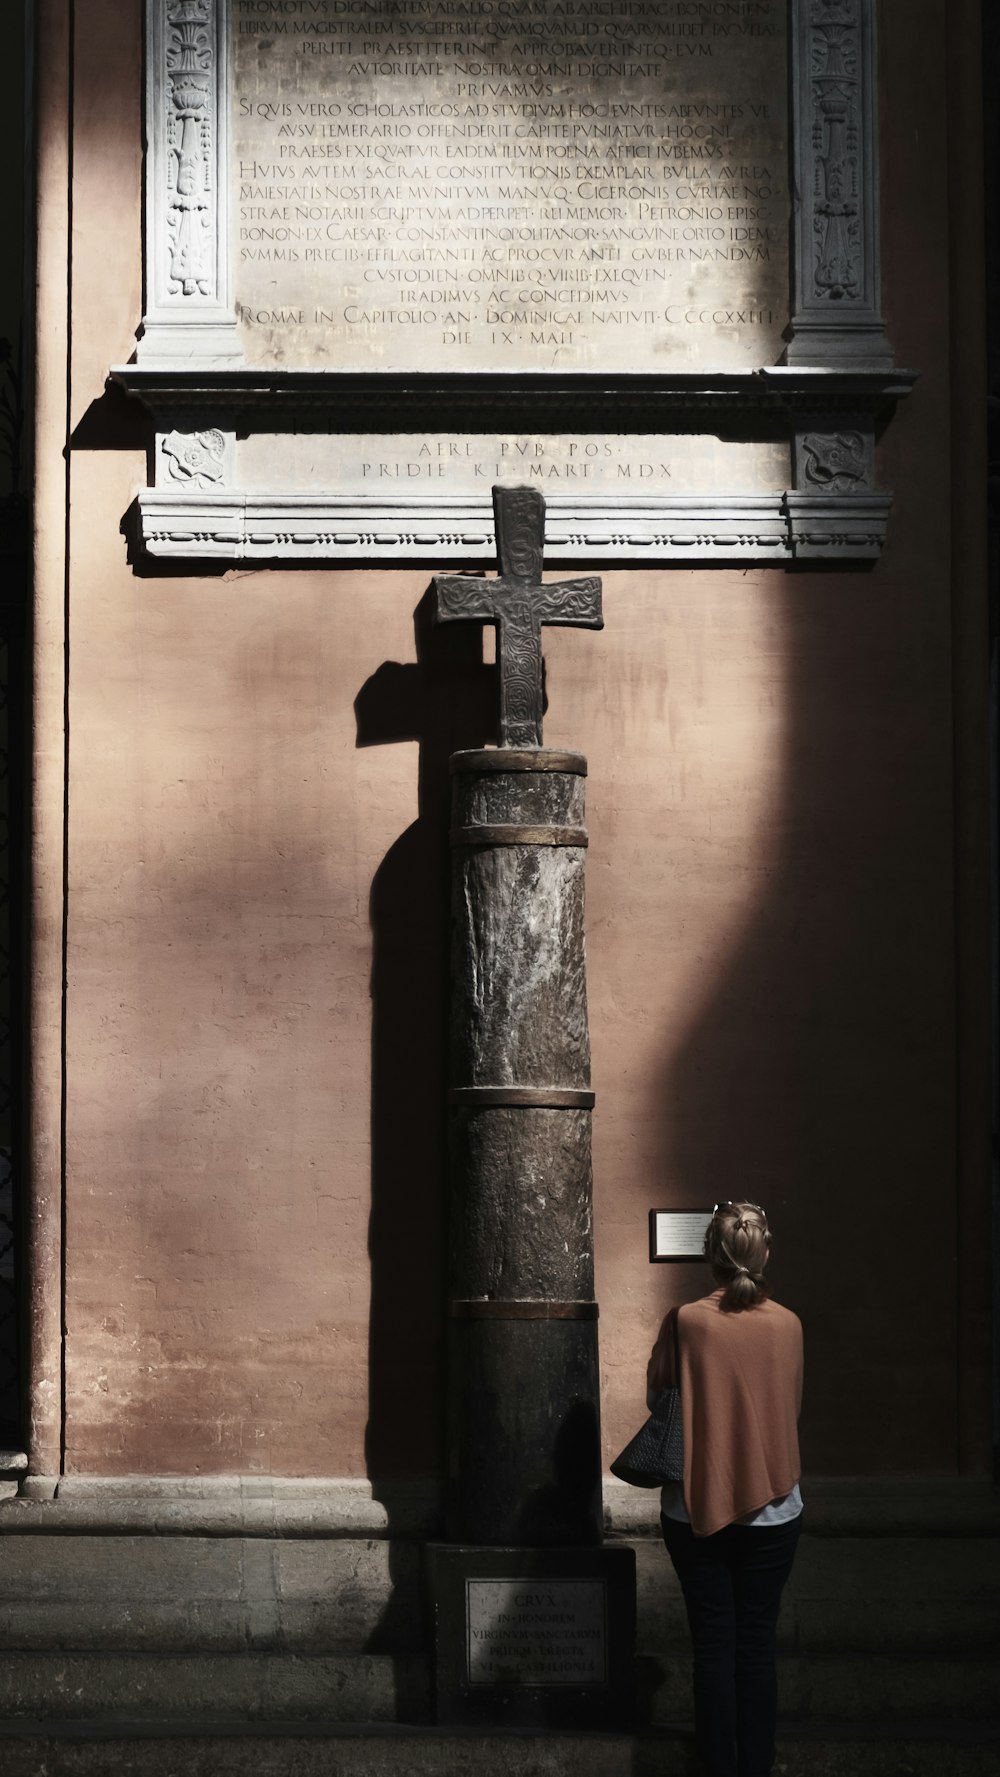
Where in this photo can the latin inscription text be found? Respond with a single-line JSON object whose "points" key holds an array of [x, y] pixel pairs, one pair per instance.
{"points": [[469, 184]]}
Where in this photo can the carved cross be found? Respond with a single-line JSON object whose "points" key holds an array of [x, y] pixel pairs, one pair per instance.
{"points": [[518, 604]]}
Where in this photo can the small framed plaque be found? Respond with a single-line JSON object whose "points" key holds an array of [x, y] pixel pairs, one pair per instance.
{"points": [[526, 1633], [677, 1233]]}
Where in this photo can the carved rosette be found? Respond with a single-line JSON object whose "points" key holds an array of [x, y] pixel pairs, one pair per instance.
{"points": [[190, 47], [195, 459], [839, 462]]}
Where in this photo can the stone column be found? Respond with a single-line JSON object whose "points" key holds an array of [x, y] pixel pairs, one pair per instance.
{"points": [[524, 1432]]}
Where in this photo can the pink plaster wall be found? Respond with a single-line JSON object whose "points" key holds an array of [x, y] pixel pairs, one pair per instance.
{"points": [[770, 914]]}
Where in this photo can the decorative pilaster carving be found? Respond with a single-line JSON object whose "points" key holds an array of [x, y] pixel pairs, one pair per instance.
{"points": [[837, 309], [187, 246], [191, 125], [834, 103]]}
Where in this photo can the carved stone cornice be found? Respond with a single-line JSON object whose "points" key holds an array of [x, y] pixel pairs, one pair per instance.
{"points": [[281, 399], [825, 527]]}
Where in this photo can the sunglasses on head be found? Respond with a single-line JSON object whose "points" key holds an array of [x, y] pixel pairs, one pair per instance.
{"points": [[729, 1204]]}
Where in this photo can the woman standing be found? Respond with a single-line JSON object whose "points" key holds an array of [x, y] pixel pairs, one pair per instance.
{"points": [[732, 1526]]}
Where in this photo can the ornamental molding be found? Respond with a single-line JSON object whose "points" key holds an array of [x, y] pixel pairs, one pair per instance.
{"points": [[281, 400], [834, 526], [265, 528]]}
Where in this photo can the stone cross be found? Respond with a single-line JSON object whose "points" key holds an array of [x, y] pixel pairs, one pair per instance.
{"points": [[518, 603]]}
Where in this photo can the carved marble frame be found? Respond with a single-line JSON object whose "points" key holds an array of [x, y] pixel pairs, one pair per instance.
{"points": [[835, 387]]}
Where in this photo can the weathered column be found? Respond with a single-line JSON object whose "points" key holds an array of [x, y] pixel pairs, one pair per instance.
{"points": [[533, 1619], [525, 1442]]}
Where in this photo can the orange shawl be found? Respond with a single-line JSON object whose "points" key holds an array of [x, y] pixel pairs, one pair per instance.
{"points": [[741, 1391]]}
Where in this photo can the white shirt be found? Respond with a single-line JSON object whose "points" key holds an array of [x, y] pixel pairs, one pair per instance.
{"points": [[777, 1511]]}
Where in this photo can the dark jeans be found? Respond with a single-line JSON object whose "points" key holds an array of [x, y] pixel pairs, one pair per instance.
{"points": [[732, 1584]]}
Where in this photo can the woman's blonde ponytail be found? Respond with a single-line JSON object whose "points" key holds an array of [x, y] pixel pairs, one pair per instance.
{"points": [[737, 1245]]}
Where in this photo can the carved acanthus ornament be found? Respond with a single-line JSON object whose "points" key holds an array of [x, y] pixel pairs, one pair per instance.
{"points": [[834, 72], [837, 313], [190, 48]]}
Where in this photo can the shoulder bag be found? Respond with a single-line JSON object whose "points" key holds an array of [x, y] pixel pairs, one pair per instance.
{"points": [[656, 1453]]}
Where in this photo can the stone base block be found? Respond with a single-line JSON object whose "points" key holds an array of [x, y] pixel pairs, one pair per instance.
{"points": [[159, 1692], [210, 1750], [533, 1638]]}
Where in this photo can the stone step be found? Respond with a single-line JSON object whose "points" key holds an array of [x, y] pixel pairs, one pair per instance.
{"points": [[895, 1597], [158, 1626], [175, 1595], [252, 1684], [163, 1689], [857, 1595], [860, 1690], [210, 1748], [13, 1468]]}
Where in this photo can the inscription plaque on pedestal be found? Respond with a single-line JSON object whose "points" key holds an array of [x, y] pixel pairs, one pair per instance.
{"points": [[521, 1632], [533, 1638]]}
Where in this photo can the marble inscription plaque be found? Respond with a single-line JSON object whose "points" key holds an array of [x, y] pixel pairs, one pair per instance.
{"points": [[510, 185], [536, 1632], [420, 464]]}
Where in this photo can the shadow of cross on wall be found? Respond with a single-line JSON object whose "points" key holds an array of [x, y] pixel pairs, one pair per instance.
{"points": [[518, 603], [444, 700]]}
